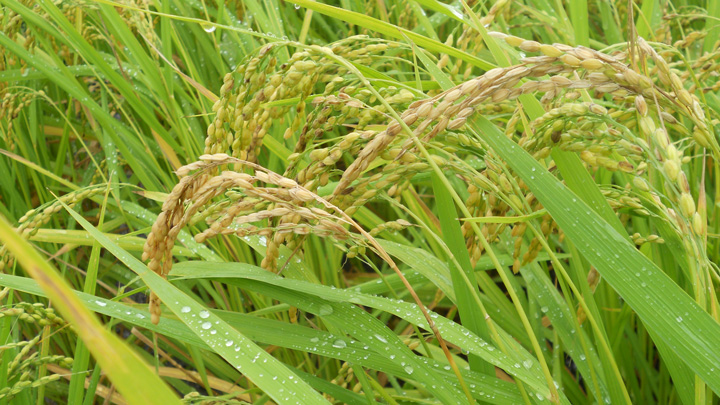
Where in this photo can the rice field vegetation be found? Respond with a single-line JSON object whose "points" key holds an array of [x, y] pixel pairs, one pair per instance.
{"points": [[359, 202]]}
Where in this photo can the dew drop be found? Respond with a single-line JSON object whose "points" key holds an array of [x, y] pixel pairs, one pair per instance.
{"points": [[102, 304], [325, 310], [204, 314], [527, 364], [206, 325], [208, 27], [409, 369], [340, 344], [380, 338], [185, 310]]}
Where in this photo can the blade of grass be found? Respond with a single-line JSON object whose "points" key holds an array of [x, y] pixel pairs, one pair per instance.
{"points": [[470, 315], [82, 355], [646, 18], [562, 320], [712, 26], [580, 21]]}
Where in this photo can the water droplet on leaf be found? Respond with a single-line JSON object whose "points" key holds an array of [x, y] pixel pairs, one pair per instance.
{"points": [[325, 310]]}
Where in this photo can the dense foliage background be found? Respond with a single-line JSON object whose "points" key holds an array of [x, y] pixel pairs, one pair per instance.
{"points": [[376, 201]]}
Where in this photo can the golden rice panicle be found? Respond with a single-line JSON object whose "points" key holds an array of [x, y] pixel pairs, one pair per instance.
{"points": [[247, 109], [450, 109], [276, 196], [186, 199]]}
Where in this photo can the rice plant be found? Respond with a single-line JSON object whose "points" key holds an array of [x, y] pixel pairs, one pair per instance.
{"points": [[352, 202]]}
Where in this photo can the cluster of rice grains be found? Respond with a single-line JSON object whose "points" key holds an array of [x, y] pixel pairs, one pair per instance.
{"points": [[262, 195], [344, 134], [30, 223], [22, 370]]}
